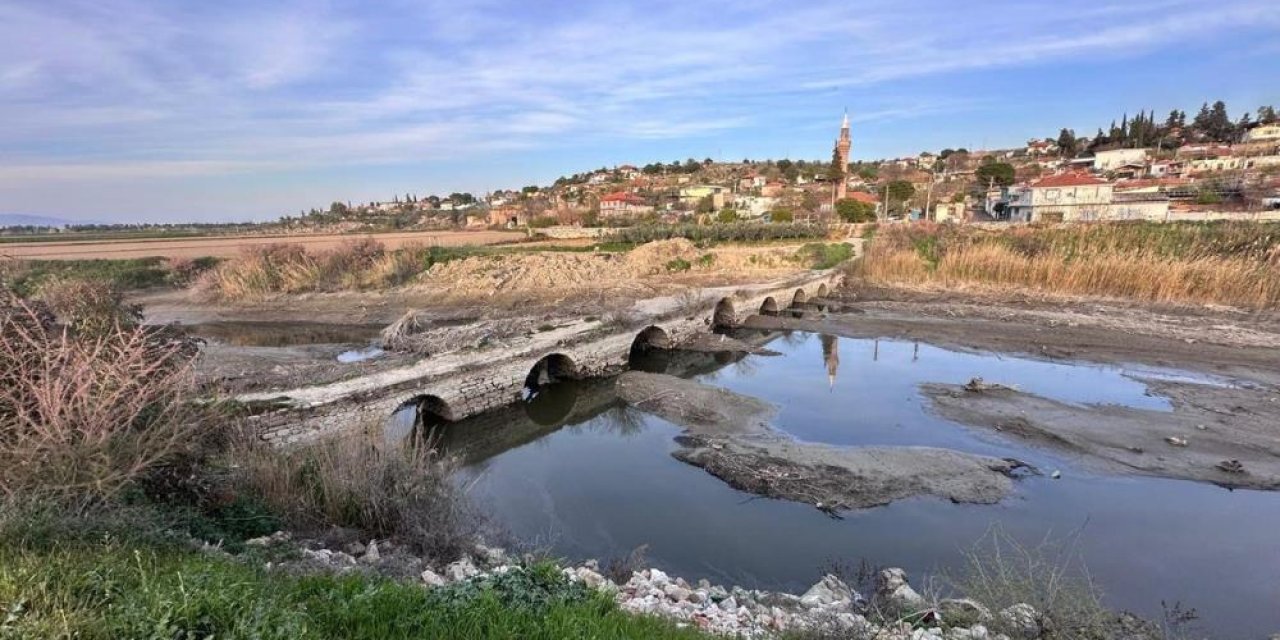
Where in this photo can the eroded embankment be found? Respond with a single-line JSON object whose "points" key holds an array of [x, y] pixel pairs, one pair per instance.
{"points": [[730, 436]]}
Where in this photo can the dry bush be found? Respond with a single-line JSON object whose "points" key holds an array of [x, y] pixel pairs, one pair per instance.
{"points": [[82, 414], [288, 268], [1000, 572], [88, 307], [356, 482]]}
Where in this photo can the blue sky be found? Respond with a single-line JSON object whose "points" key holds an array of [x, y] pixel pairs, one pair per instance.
{"points": [[186, 110]]}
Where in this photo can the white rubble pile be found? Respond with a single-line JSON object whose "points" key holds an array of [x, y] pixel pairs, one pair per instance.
{"points": [[829, 606]]}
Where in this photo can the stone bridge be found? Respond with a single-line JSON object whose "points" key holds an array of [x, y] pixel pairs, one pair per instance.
{"points": [[461, 384]]}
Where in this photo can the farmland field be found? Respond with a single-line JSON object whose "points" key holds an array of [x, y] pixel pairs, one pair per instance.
{"points": [[226, 246]]}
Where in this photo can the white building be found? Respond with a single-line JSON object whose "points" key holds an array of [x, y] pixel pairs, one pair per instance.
{"points": [[1115, 158], [1066, 197]]}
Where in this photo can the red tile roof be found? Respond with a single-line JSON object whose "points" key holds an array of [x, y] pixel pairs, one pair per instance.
{"points": [[621, 196], [1068, 180], [862, 196]]}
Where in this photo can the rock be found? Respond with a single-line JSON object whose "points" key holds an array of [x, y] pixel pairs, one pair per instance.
{"points": [[657, 577], [461, 570], [699, 596], [433, 579], [717, 593], [963, 612], [355, 548], [976, 632], [590, 578], [371, 554], [1022, 620], [676, 593], [729, 605], [491, 555], [828, 591], [895, 595]]}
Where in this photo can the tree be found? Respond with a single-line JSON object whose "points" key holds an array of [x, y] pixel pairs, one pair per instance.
{"points": [[726, 215], [781, 214], [836, 171], [851, 210], [900, 191], [706, 205], [1067, 143], [1266, 115], [809, 202], [999, 173]]}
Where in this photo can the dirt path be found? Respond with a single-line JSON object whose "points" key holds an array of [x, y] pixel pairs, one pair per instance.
{"points": [[730, 436]]}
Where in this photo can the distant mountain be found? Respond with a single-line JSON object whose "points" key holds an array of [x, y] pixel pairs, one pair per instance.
{"points": [[21, 219]]}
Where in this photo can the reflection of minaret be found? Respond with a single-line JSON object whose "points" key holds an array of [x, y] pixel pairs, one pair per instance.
{"points": [[842, 153], [831, 357]]}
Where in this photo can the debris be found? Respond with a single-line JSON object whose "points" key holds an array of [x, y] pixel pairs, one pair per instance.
{"points": [[1231, 466], [1176, 441], [1056, 474]]}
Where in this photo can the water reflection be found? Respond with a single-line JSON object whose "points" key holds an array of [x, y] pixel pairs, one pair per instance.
{"points": [[601, 482], [831, 358]]}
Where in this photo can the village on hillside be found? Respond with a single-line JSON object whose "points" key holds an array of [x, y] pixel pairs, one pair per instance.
{"points": [[1139, 169]]}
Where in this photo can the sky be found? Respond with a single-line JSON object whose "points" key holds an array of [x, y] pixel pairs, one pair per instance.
{"points": [[186, 110]]}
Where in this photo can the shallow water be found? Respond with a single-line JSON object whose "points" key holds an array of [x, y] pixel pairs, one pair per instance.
{"points": [[593, 478]]}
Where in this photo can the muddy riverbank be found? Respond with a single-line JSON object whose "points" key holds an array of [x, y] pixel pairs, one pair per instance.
{"points": [[730, 436]]}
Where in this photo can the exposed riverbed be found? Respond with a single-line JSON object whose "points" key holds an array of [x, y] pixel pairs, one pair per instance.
{"points": [[590, 476]]}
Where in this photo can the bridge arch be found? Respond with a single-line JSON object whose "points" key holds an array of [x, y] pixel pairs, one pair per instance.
{"points": [[551, 368], [725, 315], [800, 298], [416, 419], [769, 307], [822, 290], [650, 350]]}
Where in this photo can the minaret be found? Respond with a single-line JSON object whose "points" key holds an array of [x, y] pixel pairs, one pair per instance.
{"points": [[842, 152]]}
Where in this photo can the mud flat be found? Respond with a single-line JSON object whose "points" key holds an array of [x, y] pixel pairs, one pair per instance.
{"points": [[729, 435], [1226, 436]]}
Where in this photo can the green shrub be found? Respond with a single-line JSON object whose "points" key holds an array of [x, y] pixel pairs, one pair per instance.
{"points": [[678, 265], [824, 256]]}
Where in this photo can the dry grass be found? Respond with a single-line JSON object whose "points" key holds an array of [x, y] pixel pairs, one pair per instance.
{"points": [[356, 482], [1000, 572], [1180, 266], [83, 414]]}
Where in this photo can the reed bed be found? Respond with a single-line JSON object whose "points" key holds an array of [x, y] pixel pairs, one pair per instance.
{"points": [[1228, 264], [288, 268]]}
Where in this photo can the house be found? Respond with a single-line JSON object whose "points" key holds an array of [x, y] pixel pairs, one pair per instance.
{"points": [[949, 211], [507, 215], [1065, 197], [1112, 159], [772, 189], [692, 195], [1036, 148], [1138, 205], [623, 204], [1263, 132], [753, 206], [1165, 169]]}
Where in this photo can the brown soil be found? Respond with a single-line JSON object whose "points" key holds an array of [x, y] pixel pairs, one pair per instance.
{"points": [[644, 271], [228, 246]]}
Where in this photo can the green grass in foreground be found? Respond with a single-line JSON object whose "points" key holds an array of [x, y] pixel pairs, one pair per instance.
{"points": [[113, 589]]}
